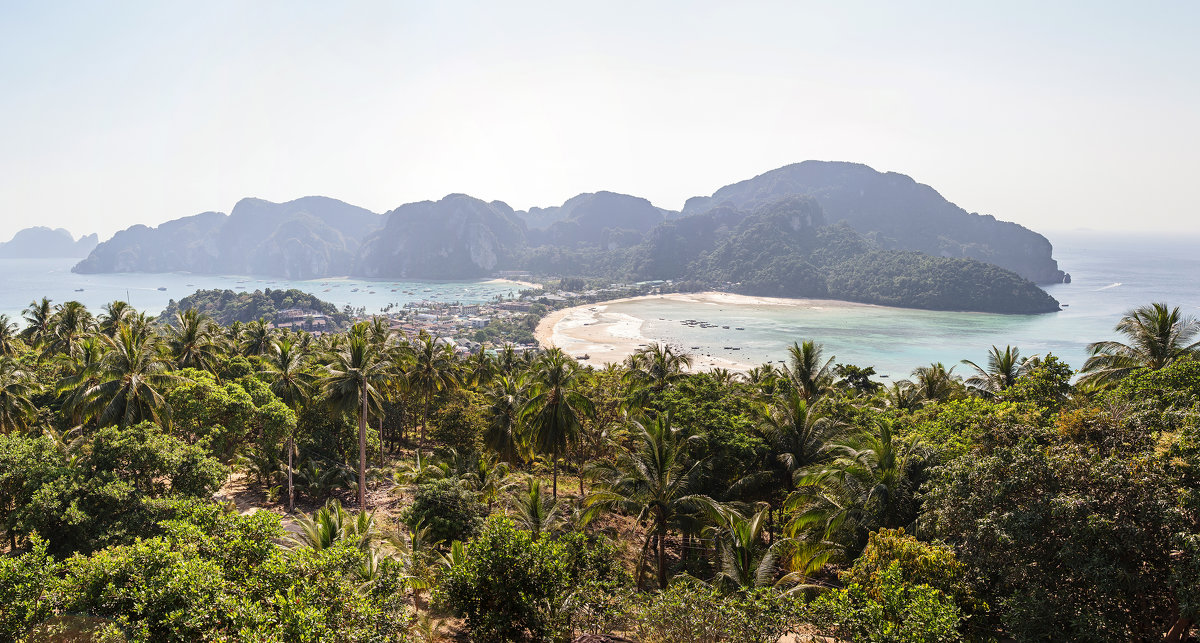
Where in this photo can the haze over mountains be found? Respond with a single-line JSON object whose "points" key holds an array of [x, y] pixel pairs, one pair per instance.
{"points": [[40, 241], [884, 227]]}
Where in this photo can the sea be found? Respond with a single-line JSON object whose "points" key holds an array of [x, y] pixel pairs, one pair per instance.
{"points": [[1111, 274]]}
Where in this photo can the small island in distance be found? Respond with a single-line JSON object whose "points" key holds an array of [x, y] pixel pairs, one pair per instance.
{"points": [[814, 229]]}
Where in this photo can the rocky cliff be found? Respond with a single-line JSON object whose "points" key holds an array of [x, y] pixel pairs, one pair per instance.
{"points": [[42, 242]]}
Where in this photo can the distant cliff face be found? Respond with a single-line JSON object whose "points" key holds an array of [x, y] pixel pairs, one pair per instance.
{"points": [[302, 239], [458, 237], [42, 242], [896, 212]]}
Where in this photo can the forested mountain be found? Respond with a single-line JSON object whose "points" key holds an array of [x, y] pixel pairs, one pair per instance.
{"points": [[301, 239], [457, 237], [40, 241], [837, 230], [897, 213]]}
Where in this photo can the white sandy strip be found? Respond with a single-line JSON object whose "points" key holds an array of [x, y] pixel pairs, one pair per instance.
{"points": [[609, 337]]}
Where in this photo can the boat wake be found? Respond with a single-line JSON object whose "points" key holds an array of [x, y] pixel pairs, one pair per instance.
{"points": [[1112, 285]]}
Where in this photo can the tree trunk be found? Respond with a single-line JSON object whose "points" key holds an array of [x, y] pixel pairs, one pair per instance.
{"points": [[554, 455], [424, 422], [362, 453], [662, 556], [1179, 630], [381, 442], [581, 463], [291, 487]]}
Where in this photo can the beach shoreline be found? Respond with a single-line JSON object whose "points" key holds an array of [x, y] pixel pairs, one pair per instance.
{"points": [[607, 337]]}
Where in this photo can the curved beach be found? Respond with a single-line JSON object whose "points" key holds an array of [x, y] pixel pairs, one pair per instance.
{"points": [[606, 336]]}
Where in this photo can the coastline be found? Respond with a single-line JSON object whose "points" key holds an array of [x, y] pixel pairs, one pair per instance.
{"points": [[608, 337]]}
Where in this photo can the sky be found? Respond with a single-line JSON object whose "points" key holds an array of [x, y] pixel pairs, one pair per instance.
{"points": [[1056, 115]]}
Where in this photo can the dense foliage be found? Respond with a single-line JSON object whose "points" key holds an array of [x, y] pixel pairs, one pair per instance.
{"points": [[549, 499], [226, 306]]}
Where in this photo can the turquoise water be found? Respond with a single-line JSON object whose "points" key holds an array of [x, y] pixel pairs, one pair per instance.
{"points": [[23, 280], [1111, 274]]}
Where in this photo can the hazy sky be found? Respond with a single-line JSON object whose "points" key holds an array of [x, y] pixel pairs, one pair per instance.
{"points": [[1052, 114]]}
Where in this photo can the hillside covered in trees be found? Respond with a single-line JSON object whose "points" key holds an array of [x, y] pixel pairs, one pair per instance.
{"points": [[871, 237], [192, 481]]}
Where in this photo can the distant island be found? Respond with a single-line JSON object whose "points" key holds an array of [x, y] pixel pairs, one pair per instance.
{"points": [[42, 242], [811, 229]]}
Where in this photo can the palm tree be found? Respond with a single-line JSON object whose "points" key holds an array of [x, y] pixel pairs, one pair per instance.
{"points": [[481, 369], [116, 314], [808, 373], [902, 395], [15, 390], [432, 369], [536, 513], [1157, 336], [82, 371], [8, 336], [332, 524], [556, 409], [131, 373], [1003, 370], [292, 382], [353, 381], [746, 559], [798, 434], [71, 322], [653, 369], [503, 415], [652, 483], [256, 338], [39, 317], [935, 383], [191, 340]]}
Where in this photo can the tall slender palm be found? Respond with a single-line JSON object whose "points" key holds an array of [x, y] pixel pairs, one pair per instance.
{"points": [[191, 340], [116, 313], [503, 416], [131, 373], [809, 372], [651, 482], [8, 336], [432, 368], [255, 338], [798, 434], [15, 390], [39, 316], [1003, 370], [71, 322], [556, 409], [1157, 335], [935, 383], [292, 382], [481, 369], [353, 381], [653, 369], [81, 371]]}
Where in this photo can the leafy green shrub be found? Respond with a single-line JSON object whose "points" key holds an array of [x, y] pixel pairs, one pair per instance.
{"points": [[25, 582], [509, 587], [689, 611], [920, 563], [889, 609], [459, 423], [447, 508]]}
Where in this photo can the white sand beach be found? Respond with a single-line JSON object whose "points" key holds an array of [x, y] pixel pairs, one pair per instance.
{"points": [[607, 337]]}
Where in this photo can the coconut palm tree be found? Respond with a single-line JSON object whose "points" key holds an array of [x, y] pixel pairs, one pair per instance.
{"points": [[332, 524], [431, 369], [116, 313], [556, 408], [747, 561], [71, 322], [132, 372], [191, 340], [902, 395], [81, 372], [652, 483], [807, 369], [481, 369], [935, 383], [8, 336], [287, 372], [653, 369], [1003, 370], [39, 317], [15, 390], [798, 434], [255, 338], [533, 511], [1157, 335], [353, 381], [503, 415]]}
